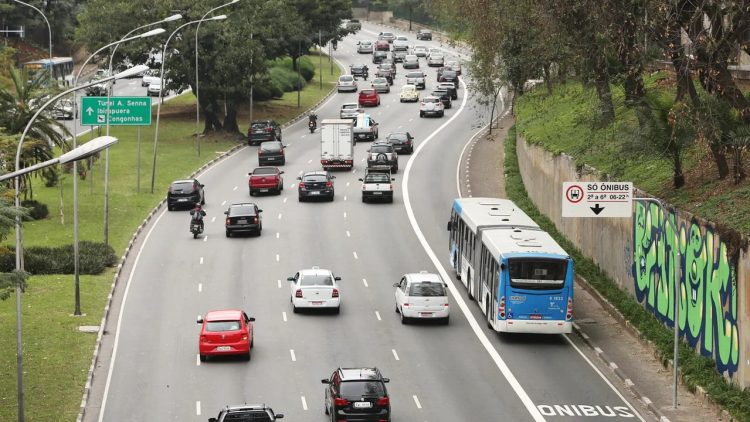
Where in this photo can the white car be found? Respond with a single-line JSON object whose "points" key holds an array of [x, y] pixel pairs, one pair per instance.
{"points": [[150, 76], [154, 89], [346, 83], [315, 288], [422, 295], [436, 59], [349, 111], [408, 93], [63, 109], [377, 186], [419, 51], [401, 43], [431, 106], [364, 47]]}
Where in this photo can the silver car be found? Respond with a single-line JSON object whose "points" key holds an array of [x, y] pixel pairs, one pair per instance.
{"points": [[364, 47], [419, 51], [388, 36], [381, 85], [349, 111], [436, 59], [411, 61], [346, 83], [416, 78]]}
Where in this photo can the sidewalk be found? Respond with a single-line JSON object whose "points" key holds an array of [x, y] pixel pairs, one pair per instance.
{"points": [[616, 350]]}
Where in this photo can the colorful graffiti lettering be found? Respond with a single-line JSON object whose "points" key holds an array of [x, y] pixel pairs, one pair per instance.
{"points": [[695, 258]]}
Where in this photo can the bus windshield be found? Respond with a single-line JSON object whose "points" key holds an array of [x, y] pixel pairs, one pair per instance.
{"points": [[537, 274]]}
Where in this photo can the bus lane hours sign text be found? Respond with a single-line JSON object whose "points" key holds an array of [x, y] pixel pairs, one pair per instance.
{"points": [[597, 199]]}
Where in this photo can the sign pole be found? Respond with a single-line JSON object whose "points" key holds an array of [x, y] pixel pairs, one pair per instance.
{"points": [[138, 164]]}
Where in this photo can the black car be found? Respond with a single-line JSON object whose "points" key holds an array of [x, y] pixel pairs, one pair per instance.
{"points": [[263, 130], [450, 87], [401, 141], [382, 155], [357, 394], [448, 75], [247, 413], [244, 217], [444, 96], [379, 56], [185, 193], [358, 70], [270, 153], [424, 34], [315, 184]]}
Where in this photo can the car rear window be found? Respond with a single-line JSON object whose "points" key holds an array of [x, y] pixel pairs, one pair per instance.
{"points": [[345, 79], [397, 137], [349, 107], [377, 178], [414, 75], [379, 81], [216, 326], [315, 178], [182, 186], [367, 92], [381, 149], [426, 289], [248, 416], [362, 388], [316, 280], [260, 125], [270, 146], [267, 170], [242, 210]]}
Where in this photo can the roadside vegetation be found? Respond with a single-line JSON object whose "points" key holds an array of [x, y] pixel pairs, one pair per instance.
{"points": [[56, 355], [695, 370]]}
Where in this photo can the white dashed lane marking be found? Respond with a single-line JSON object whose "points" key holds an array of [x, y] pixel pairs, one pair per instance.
{"points": [[377, 315], [201, 260], [279, 216], [284, 201], [198, 408], [234, 188], [395, 355], [277, 235], [277, 257], [200, 287], [416, 401], [355, 255], [348, 234], [278, 282], [294, 357], [283, 316], [304, 403], [364, 281], [197, 360], [309, 161], [205, 238], [214, 218], [222, 204]]}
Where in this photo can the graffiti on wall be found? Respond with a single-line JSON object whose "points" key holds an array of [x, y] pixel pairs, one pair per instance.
{"points": [[668, 255]]}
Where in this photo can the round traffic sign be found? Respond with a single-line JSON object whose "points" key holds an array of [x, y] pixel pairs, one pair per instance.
{"points": [[574, 194]]}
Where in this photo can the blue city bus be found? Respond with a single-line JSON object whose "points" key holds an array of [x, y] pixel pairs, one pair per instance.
{"points": [[469, 218], [61, 69], [520, 277]]}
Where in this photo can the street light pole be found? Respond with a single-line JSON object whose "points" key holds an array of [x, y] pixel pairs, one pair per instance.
{"points": [[76, 260], [161, 87], [320, 59], [197, 90], [299, 59], [19, 250], [109, 94], [49, 30]]}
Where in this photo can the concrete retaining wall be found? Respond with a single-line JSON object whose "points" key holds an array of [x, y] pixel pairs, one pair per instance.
{"points": [[649, 255]]}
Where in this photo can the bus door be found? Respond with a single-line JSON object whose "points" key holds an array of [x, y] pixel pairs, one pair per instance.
{"points": [[537, 289]]}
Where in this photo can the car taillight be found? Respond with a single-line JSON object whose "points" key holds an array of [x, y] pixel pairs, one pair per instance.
{"points": [[335, 293], [228, 221], [244, 337], [406, 304], [338, 401], [323, 161], [255, 220], [501, 308], [204, 339], [301, 185], [269, 129], [569, 314], [258, 151], [384, 401], [329, 184], [298, 293]]}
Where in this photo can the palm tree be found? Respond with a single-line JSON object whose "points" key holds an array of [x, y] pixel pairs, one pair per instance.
{"points": [[17, 106]]}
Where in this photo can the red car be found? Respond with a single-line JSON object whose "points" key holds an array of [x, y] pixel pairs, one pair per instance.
{"points": [[382, 45], [225, 332], [265, 179], [369, 97]]}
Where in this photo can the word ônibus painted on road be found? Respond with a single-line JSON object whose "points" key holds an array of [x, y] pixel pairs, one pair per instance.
{"points": [[584, 410]]}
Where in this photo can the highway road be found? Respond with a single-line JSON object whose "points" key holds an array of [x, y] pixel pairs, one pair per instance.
{"points": [[459, 372]]}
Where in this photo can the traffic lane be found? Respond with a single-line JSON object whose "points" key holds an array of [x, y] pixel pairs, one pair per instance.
{"points": [[525, 354]]}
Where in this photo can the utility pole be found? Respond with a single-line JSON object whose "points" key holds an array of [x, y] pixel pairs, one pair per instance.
{"points": [[320, 57], [299, 57]]}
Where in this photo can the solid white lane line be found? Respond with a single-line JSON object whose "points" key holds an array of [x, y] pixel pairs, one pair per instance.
{"points": [[205, 238], [200, 287], [283, 316], [348, 234], [277, 257], [494, 355], [395, 355], [234, 188], [222, 204], [416, 401], [201, 260], [294, 358], [198, 408], [198, 360], [278, 282], [304, 403], [214, 218], [365, 282], [355, 255], [377, 315]]}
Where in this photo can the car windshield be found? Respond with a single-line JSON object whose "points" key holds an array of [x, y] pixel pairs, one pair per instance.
{"points": [[385, 66], [363, 388], [215, 326], [345, 79], [314, 178], [426, 289], [270, 146], [316, 280], [381, 149], [377, 178], [449, 73], [265, 170], [182, 186], [379, 81], [242, 210]]}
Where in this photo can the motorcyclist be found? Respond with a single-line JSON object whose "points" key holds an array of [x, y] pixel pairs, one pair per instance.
{"points": [[197, 215], [365, 72], [335, 44], [313, 120]]}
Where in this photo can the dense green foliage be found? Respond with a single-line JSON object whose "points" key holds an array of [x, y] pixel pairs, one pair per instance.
{"points": [[94, 258]]}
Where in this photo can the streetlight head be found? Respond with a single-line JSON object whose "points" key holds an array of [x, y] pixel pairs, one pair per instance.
{"points": [[234, 1], [218, 18], [88, 149], [131, 72], [174, 17], [152, 32]]}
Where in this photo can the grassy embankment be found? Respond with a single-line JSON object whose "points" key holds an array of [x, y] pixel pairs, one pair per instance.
{"points": [[56, 355]]}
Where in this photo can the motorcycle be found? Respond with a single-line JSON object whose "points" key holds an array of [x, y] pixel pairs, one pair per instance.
{"points": [[196, 228], [312, 125]]}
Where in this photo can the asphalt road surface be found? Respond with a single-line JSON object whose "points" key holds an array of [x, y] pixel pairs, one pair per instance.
{"points": [[459, 372]]}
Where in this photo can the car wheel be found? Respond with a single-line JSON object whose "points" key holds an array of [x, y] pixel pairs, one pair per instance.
{"points": [[330, 199], [228, 233], [337, 310], [401, 100], [446, 320], [378, 102], [327, 411], [421, 114], [404, 320], [442, 113], [203, 200], [170, 208], [395, 170], [300, 199], [246, 356], [364, 200], [203, 358], [251, 192], [294, 309], [397, 309]]}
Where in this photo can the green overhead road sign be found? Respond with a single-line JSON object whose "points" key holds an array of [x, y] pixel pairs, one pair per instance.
{"points": [[123, 111]]}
